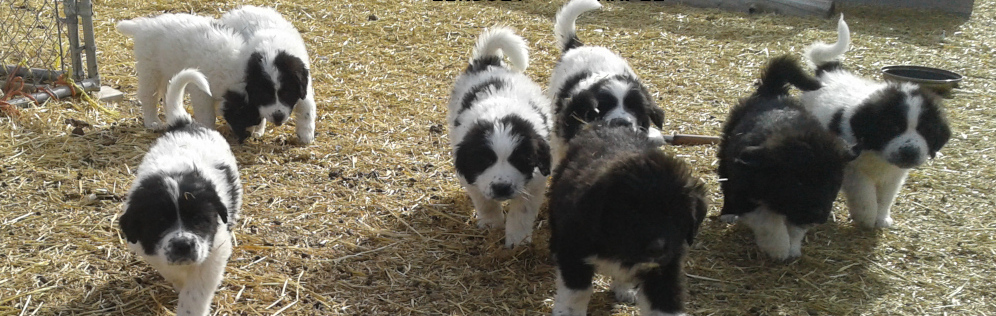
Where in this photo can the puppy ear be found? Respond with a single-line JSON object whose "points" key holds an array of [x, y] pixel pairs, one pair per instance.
{"points": [[701, 209], [752, 156], [854, 152], [656, 115], [542, 155], [302, 75]]}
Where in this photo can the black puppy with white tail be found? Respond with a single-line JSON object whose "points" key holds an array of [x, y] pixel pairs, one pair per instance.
{"points": [[620, 205], [184, 202], [780, 170]]}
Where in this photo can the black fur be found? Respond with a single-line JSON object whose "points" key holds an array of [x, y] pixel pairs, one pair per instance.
{"points": [[470, 98], [482, 63], [593, 103], [572, 43], [617, 197], [776, 153], [474, 154], [882, 117], [293, 79]]}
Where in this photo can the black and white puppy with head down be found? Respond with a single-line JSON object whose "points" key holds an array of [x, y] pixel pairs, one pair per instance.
{"points": [[184, 202], [622, 207], [897, 126], [498, 120], [780, 170], [256, 73], [278, 79], [593, 83]]}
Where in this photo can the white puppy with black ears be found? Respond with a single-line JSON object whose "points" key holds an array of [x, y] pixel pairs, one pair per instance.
{"points": [[897, 126], [499, 124], [592, 83], [279, 47], [184, 202]]}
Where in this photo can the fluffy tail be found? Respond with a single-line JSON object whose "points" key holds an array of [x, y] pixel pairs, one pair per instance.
{"points": [[129, 27], [175, 113], [821, 53], [495, 41], [782, 71], [564, 27]]}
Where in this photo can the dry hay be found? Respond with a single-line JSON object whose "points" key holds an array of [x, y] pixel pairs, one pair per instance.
{"points": [[369, 220]]}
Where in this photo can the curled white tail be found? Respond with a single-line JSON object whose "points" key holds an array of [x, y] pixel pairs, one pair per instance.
{"points": [[175, 113], [498, 40], [821, 53], [128, 27], [564, 27]]}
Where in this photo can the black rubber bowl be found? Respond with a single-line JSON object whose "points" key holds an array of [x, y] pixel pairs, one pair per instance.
{"points": [[939, 80]]}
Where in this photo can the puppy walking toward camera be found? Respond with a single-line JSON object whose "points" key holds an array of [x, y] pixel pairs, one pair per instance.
{"points": [[498, 120], [621, 206], [274, 47], [780, 170], [592, 83], [253, 79], [897, 126], [184, 202]]}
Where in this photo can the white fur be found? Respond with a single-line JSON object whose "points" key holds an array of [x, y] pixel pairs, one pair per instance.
{"points": [[492, 106], [195, 281], [775, 235], [168, 43], [871, 182], [570, 302], [266, 31], [600, 61]]}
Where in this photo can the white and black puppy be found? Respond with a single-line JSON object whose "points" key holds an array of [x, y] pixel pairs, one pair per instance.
{"points": [[280, 80], [592, 83], [498, 120], [780, 170], [622, 207], [247, 85], [184, 202], [897, 126]]}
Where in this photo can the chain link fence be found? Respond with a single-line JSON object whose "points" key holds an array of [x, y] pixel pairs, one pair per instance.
{"points": [[47, 50]]}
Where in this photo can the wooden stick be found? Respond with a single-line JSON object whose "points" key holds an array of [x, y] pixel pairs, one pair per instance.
{"points": [[683, 139]]}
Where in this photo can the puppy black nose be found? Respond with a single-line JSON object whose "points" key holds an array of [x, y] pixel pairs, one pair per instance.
{"points": [[501, 190], [620, 122], [907, 157], [279, 118], [181, 250]]}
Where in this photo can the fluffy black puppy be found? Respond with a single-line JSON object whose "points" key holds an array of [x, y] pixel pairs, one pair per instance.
{"points": [[619, 204], [780, 170]]}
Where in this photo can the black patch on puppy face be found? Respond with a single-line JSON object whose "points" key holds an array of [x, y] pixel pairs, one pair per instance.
{"points": [[932, 124], [880, 118], [474, 154], [293, 79], [153, 210], [565, 90]]}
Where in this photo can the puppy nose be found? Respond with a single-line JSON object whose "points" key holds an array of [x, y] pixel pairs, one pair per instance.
{"points": [[181, 250], [501, 190], [907, 157], [620, 122], [279, 118]]}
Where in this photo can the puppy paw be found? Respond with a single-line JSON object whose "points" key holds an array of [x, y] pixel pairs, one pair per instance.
{"points": [[624, 292], [884, 222], [655, 137], [305, 135], [729, 218], [795, 252], [155, 124], [513, 239], [490, 222]]}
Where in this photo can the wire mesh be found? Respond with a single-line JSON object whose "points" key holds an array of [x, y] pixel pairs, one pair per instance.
{"points": [[31, 40]]}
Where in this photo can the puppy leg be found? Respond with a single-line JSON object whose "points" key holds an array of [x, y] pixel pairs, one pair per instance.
{"points": [[661, 292], [522, 213], [304, 116], [796, 234], [624, 288], [197, 294], [488, 211], [769, 231], [573, 287], [204, 108], [149, 81], [861, 196], [887, 192], [259, 130]]}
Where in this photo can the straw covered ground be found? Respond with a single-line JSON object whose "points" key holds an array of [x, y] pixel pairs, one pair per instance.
{"points": [[370, 219]]}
